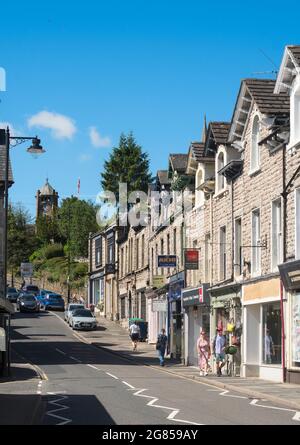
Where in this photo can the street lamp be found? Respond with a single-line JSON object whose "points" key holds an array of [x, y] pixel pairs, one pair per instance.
{"points": [[34, 149]]}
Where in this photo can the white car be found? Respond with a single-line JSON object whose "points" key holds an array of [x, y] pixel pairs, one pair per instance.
{"points": [[82, 319], [72, 307]]}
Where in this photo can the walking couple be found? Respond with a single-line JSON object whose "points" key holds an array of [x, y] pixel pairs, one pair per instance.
{"points": [[204, 353]]}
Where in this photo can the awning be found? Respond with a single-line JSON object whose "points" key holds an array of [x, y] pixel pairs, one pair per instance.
{"points": [[290, 275]]}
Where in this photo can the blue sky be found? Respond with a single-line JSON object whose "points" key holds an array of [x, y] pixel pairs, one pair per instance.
{"points": [[153, 68]]}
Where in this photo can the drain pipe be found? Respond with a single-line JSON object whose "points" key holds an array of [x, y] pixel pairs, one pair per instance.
{"points": [[284, 196]]}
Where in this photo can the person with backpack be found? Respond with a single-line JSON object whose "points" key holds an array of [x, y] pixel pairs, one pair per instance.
{"points": [[161, 345]]}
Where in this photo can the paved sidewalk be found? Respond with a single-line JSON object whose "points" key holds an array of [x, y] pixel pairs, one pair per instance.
{"points": [[19, 402], [111, 336]]}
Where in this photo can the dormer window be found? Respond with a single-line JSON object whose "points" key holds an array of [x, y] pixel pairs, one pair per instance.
{"points": [[254, 156], [220, 177], [199, 193], [295, 113]]}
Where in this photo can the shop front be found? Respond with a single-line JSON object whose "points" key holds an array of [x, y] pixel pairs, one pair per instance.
{"points": [[157, 308], [226, 315], [175, 331], [6, 310], [262, 343], [196, 317], [290, 275], [96, 294]]}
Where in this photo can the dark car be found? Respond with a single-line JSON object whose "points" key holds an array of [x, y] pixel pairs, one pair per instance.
{"points": [[31, 289], [12, 294], [28, 303]]}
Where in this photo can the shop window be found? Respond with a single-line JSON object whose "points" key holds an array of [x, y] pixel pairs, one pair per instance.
{"points": [[271, 334], [296, 331]]}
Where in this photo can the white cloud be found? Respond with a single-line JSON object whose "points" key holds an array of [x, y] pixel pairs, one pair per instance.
{"points": [[85, 157], [97, 140], [62, 126]]}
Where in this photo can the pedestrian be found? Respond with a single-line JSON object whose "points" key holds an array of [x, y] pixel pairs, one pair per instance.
{"points": [[161, 345], [219, 344], [203, 350], [134, 334], [269, 347]]}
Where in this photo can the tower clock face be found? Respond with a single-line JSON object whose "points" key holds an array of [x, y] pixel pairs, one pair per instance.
{"points": [[46, 206]]}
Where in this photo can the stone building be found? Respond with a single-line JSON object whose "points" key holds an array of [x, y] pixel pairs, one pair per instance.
{"points": [[46, 201]]}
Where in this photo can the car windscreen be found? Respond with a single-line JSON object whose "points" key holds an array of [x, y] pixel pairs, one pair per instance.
{"points": [[11, 290], [32, 288], [82, 313], [55, 297], [75, 307], [28, 298]]}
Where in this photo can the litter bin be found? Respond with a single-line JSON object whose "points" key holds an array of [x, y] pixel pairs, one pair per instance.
{"points": [[143, 327]]}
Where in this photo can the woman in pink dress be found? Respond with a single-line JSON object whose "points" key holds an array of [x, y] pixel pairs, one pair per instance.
{"points": [[203, 350]]}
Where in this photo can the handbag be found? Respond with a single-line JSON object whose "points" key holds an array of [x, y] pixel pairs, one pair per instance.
{"points": [[158, 345]]}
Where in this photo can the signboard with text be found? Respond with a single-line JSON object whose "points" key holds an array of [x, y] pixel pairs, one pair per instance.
{"points": [[27, 270], [158, 281], [191, 259], [159, 305], [166, 261]]}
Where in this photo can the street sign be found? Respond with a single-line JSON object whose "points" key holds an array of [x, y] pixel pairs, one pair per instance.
{"points": [[27, 270], [191, 259], [166, 261], [159, 305], [158, 281]]}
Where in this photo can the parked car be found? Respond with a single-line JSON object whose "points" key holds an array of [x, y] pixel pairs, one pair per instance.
{"points": [[30, 288], [28, 303], [12, 294], [53, 301], [72, 307], [83, 319]]}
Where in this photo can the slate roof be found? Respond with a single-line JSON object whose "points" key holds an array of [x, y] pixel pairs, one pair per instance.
{"points": [[295, 50], [163, 178], [197, 149], [2, 166], [262, 92], [47, 189], [178, 162], [220, 131]]}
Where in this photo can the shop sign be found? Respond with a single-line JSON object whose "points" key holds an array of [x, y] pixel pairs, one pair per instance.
{"points": [[175, 289], [159, 305], [191, 259], [158, 281], [166, 261], [26, 270], [196, 296]]}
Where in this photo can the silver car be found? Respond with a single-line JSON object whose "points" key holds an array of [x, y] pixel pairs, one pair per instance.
{"points": [[83, 319], [72, 307]]}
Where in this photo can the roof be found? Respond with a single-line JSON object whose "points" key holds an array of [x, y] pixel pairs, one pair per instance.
{"points": [[162, 176], [47, 189], [178, 162], [197, 150], [3, 166], [290, 66], [262, 92], [220, 131], [295, 52]]}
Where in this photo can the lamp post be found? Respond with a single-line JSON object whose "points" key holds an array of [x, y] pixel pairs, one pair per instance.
{"points": [[35, 149]]}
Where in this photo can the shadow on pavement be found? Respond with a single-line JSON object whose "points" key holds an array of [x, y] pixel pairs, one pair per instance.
{"points": [[20, 409]]}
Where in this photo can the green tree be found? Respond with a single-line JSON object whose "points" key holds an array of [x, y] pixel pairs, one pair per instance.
{"points": [[47, 229], [127, 164], [21, 237], [76, 219]]}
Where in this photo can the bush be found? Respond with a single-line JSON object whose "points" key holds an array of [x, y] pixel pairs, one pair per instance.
{"points": [[54, 251]]}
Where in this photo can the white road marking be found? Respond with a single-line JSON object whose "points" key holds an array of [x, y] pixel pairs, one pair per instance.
{"points": [[94, 367], [225, 394], [296, 416], [55, 402], [75, 359], [130, 386], [111, 375], [61, 352]]}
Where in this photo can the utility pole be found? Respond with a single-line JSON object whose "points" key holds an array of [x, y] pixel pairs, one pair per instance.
{"points": [[69, 252]]}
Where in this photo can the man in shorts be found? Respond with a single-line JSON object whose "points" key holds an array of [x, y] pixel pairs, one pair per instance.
{"points": [[219, 351], [134, 334]]}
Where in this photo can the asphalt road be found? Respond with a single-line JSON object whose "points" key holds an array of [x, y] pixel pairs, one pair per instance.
{"points": [[87, 385]]}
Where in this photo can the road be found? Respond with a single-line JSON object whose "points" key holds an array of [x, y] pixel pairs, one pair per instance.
{"points": [[89, 386]]}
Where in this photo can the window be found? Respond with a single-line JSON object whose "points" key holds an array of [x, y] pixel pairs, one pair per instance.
{"points": [[220, 177], [238, 247], [162, 252], [254, 157], [271, 334], [256, 252], [110, 249], [222, 264], [295, 325], [207, 255], [98, 251], [297, 207], [276, 234], [175, 242], [137, 254], [143, 250], [152, 261], [199, 193], [127, 262], [295, 113]]}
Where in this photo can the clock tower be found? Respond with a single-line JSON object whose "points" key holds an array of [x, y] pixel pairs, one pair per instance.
{"points": [[46, 200]]}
